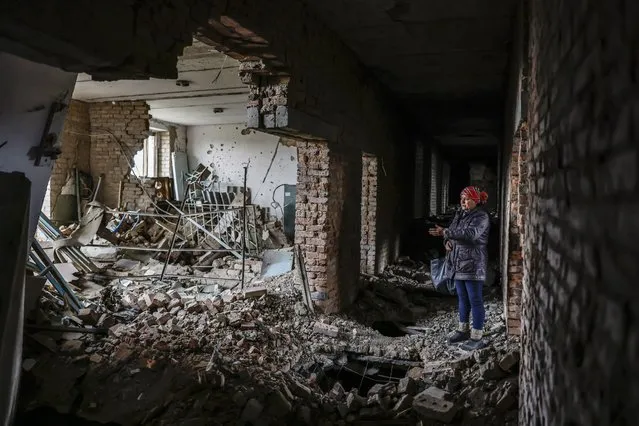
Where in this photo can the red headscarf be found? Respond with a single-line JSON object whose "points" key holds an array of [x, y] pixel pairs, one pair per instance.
{"points": [[472, 192]]}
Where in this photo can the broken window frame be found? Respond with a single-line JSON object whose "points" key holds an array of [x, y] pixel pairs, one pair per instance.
{"points": [[150, 157]]}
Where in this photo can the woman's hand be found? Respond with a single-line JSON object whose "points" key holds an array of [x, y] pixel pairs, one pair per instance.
{"points": [[437, 231], [449, 245]]}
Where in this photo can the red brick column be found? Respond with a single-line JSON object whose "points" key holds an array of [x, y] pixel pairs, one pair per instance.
{"points": [[327, 213], [518, 201], [312, 227]]}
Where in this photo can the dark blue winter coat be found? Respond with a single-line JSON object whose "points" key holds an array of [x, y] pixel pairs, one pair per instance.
{"points": [[469, 233]]}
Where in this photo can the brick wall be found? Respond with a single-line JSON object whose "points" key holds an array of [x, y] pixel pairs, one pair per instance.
{"points": [[517, 176], [312, 226], [75, 144], [581, 322], [326, 211], [134, 197], [435, 182], [126, 122], [368, 243]]}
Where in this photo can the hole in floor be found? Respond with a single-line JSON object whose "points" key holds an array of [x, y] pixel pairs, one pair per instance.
{"points": [[51, 417], [359, 375], [389, 328]]}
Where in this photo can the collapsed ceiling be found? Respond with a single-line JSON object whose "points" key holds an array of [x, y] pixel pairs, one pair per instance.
{"points": [[208, 90]]}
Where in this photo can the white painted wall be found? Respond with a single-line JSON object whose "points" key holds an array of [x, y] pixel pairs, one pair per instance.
{"points": [[226, 151], [27, 91]]}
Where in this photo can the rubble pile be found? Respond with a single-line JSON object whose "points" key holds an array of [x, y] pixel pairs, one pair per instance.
{"points": [[415, 273], [200, 353], [478, 388], [224, 272], [132, 229]]}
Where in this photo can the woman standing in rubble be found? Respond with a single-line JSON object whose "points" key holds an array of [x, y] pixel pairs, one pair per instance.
{"points": [[466, 241]]}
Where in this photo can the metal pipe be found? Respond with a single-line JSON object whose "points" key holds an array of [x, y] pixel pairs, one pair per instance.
{"points": [[174, 237], [97, 188], [169, 216], [137, 248], [244, 227], [147, 277], [66, 329], [128, 213], [171, 246]]}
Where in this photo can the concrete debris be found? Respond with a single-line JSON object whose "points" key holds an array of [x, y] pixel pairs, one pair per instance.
{"points": [[255, 291], [509, 361], [430, 405], [407, 386], [325, 329], [28, 364], [182, 355]]}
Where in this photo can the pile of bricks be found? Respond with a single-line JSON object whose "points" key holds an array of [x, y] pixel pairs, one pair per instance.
{"points": [[118, 131]]}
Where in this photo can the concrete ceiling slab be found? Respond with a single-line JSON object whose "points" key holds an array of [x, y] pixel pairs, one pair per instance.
{"points": [[200, 111], [213, 82], [434, 51]]}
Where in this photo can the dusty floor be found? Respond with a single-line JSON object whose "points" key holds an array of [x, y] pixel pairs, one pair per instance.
{"points": [[174, 356]]}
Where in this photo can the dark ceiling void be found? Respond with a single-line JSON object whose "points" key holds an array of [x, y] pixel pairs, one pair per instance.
{"points": [[474, 122], [400, 10], [447, 61], [437, 49]]}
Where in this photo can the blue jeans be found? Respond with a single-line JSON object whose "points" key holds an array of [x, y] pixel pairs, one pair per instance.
{"points": [[469, 294]]}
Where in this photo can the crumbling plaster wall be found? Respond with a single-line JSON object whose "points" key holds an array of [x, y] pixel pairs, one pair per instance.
{"points": [[581, 316], [178, 135], [118, 130], [29, 90], [75, 144], [226, 151]]}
